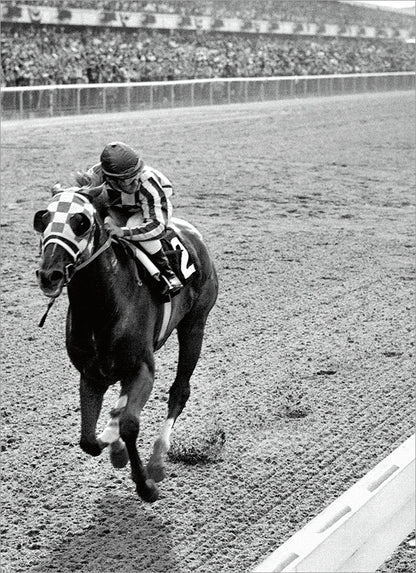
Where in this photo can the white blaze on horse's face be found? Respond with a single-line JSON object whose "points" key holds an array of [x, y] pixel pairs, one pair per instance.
{"points": [[71, 223]]}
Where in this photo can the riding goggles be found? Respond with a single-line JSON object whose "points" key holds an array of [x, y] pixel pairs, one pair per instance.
{"points": [[130, 173], [121, 184]]}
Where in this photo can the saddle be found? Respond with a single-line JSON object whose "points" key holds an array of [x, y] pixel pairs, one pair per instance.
{"points": [[180, 259]]}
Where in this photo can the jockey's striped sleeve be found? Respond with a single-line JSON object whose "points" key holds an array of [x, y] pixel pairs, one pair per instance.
{"points": [[153, 197], [152, 200]]}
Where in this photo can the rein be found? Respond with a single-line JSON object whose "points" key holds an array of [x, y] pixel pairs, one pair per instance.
{"points": [[70, 271]]}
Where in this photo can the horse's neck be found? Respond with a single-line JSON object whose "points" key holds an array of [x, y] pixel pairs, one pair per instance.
{"points": [[95, 292]]}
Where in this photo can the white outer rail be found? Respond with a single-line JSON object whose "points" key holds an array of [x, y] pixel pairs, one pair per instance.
{"points": [[360, 529], [208, 81], [76, 99]]}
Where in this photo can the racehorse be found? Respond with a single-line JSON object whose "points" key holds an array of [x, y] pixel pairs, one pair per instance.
{"points": [[116, 321]]}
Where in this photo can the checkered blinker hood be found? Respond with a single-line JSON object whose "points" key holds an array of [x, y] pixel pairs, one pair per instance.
{"points": [[70, 223]]}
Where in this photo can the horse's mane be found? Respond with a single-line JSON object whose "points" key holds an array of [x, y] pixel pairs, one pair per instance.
{"points": [[83, 178]]}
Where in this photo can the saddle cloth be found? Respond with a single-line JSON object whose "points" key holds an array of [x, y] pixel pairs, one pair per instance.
{"points": [[181, 260]]}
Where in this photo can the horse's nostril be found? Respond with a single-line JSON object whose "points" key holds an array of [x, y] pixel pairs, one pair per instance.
{"points": [[55, 276], [49, 278]]}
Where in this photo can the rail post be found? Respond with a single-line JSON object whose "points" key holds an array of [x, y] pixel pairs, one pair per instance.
{"points": [[129, 98], [78, 100], [104, 99], [21, 105]]}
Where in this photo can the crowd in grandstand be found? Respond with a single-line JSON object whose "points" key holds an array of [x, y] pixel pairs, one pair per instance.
{"points": [[36, 55], [317, 11]]}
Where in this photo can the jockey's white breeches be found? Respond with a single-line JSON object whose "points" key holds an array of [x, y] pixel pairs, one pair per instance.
{"points": [[151, 246]]}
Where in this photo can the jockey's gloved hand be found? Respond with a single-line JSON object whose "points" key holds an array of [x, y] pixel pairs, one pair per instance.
{"points": [[112, 228]]}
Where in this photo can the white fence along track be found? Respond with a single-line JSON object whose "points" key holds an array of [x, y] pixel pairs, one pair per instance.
{"points": [[75, 99]]}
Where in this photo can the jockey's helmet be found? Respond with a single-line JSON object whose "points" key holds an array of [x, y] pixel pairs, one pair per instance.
{"points": [[120, 161]]}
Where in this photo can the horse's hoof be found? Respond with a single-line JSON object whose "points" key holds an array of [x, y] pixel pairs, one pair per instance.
{"points": [[149, 493], [119, 458], [156, 472], [91, 448]]}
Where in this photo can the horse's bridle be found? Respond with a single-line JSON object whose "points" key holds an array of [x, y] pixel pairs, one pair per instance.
{"points": [[72, 268]]}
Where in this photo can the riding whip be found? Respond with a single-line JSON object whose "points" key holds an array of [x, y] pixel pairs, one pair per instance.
{"points": [[48, 308]]}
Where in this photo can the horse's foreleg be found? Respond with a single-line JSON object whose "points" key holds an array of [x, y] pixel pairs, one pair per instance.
{"points": [[91, 396], [111, 436], [190, 336], [137, 391]]}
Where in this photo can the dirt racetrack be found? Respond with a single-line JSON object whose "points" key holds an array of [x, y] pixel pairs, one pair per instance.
{"points": [[308, 209]]}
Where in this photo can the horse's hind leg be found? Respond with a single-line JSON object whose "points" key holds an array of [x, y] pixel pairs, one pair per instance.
{"points": [[91, 398], [190, 336]]}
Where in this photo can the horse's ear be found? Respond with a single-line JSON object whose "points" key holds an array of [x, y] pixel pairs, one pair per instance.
{"points": [[41, 220], [57, 188]]}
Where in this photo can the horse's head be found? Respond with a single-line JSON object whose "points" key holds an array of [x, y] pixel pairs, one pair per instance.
{"points": [[67, 228]]}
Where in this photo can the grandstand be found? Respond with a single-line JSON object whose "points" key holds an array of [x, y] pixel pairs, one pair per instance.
{"points": [[48, 42], [306, 11]]}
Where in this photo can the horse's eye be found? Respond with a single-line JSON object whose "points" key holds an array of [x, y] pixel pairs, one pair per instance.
{"points": [[80, 224], [41, 220]]}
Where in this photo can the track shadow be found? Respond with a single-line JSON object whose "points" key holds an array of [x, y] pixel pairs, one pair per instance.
{"points": [[123, 536]]}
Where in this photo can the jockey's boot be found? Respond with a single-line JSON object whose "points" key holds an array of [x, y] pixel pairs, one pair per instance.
{"points": [[174, 285]]}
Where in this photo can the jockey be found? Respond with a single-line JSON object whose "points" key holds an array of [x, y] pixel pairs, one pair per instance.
{"points": [[139, 204]]}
